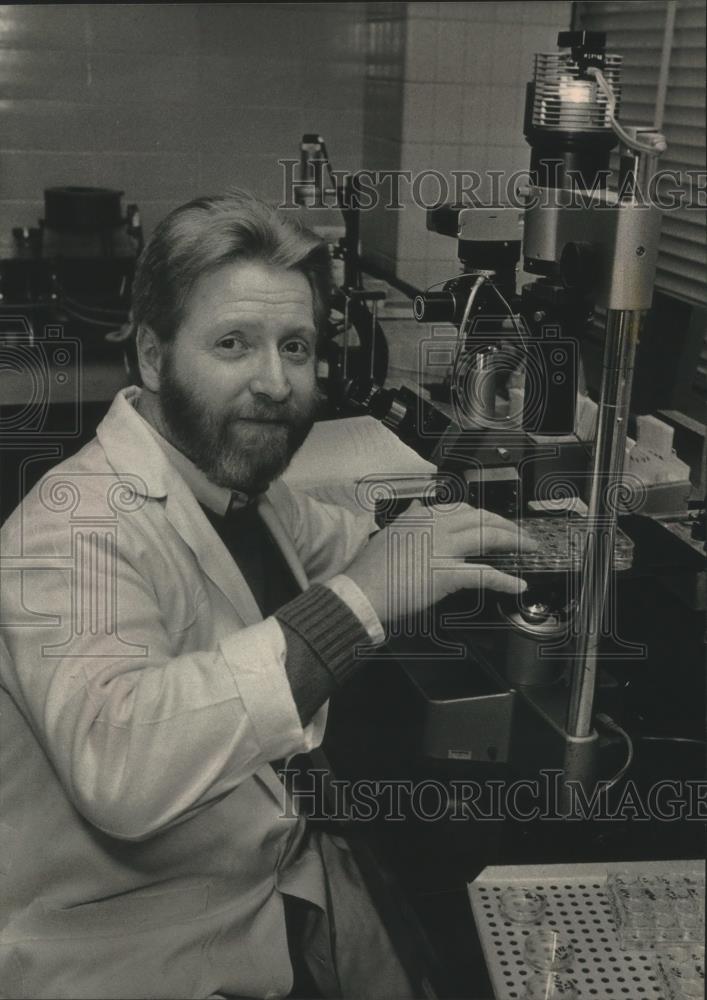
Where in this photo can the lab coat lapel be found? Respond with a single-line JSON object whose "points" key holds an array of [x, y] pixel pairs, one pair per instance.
{"points": [[185, 515], [273, 785]]}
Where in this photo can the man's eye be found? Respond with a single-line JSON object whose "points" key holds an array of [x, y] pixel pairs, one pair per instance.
{"points": [[297, 348], [231, 343]]}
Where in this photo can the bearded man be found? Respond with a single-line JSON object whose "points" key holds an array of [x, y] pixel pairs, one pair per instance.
{"points": [[174, 620]]}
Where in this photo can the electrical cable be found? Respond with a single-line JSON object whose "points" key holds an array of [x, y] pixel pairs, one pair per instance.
{"points": [[480, 279], [455, 277], [91, 320], [511, 314], [461, 337], [628, 140], [88, 308], [607, 721]]}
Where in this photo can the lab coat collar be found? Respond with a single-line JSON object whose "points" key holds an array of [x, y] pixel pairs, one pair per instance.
{"points": [[130, 448]]}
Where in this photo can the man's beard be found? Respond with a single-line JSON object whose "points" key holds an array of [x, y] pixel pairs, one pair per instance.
{"points": [[230, 447]]}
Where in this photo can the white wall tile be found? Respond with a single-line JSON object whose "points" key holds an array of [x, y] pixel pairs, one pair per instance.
{"points": [[537, 38], [416, 156], [481, 12], [477, 109], [475, 126], [412, 233], [445, 268], [504, 119], [161, 100], [419, 110], [452, 10], [478, 50], [447, 159], [448, 113], [421, 50], [413, 271], [506, 55], [418, 9], [451, 50]]}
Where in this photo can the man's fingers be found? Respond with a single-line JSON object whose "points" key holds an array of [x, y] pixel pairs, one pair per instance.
{"points": [[475, 577], [476, 542], [464, 530], [494, 522], [501, 540], [463, 515], [467, 518], [504, 583], [478, 515]]}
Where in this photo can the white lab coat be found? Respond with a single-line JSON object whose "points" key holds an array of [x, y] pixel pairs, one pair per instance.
{"points": [[143, 834]]}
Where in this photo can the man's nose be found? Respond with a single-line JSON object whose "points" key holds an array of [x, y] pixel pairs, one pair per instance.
{"points": [[270, 380]]}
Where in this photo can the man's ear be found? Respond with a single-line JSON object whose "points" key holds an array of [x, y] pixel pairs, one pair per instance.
{"points": [[149, 357]]}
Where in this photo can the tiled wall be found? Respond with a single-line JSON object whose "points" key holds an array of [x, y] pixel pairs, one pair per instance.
{"points": [[448, 80], [166, 101]]}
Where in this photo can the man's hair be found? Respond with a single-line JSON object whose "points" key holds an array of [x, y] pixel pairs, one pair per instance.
{"points": [[207, 233]]}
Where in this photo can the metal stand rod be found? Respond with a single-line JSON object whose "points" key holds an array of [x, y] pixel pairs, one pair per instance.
{"points": [[374, 324], [345, 364], [622, 332]]}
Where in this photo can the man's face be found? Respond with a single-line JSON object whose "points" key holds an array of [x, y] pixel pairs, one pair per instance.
{"points": [[237, 385]]}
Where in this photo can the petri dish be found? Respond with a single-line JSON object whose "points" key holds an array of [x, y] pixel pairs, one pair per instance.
{"points": [[523, 906], [550, 986], [549, 950]]}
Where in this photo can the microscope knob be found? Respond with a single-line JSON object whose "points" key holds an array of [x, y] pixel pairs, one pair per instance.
{"points": [[535, 612]]}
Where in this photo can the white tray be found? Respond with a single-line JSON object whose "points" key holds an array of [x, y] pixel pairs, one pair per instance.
{"points": [[578, 906]]}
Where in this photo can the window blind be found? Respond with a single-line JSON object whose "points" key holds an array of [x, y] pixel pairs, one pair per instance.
{"points": [[663, 84]]}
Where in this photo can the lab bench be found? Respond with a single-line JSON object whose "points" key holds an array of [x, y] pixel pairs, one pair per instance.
{"points": [[375, 735]]}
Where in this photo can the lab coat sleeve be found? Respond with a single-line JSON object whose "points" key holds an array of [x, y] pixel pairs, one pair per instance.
{"points": [[327, 537], [140, 736]]}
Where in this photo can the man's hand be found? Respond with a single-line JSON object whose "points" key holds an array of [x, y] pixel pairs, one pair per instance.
{"points": [[419, 558]]}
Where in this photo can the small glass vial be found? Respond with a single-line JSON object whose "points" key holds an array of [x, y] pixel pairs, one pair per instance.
{"points": [[523, 906], [548, 950], [550, 986]]}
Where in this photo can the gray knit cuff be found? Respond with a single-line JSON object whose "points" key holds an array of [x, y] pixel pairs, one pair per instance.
{"points": [[328, 626]]}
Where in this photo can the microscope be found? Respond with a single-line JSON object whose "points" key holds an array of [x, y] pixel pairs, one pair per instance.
{"points": [[589, 251], [318, 185]]}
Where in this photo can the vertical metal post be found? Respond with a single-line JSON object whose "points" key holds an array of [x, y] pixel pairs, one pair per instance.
{"points": [[622, 332], [374, 324], [345, 363]]}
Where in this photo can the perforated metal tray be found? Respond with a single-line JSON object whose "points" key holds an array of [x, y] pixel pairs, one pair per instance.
{"points": [[578, 906], [561, 540]]}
